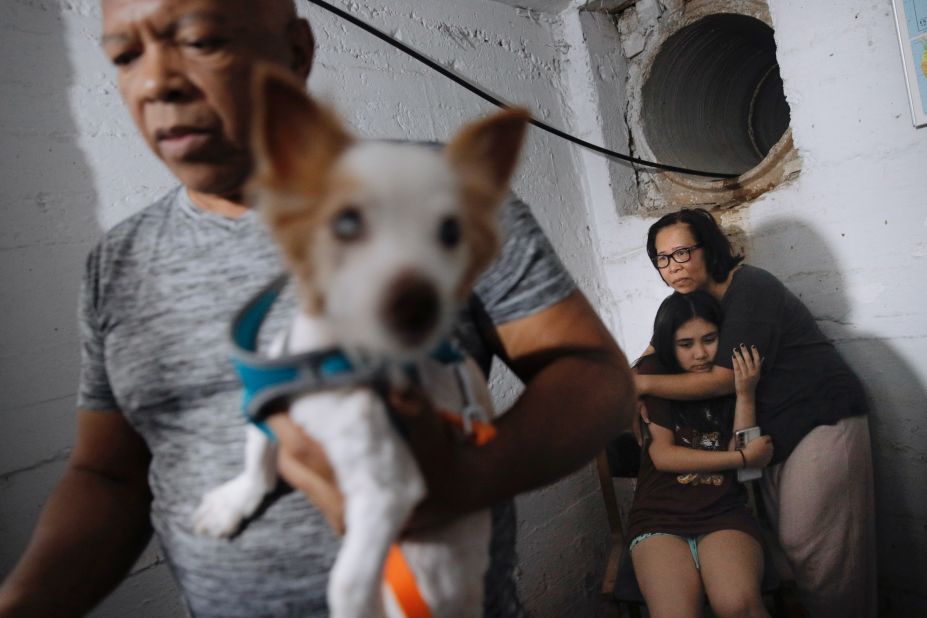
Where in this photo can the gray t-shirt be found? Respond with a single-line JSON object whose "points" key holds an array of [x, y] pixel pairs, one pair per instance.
{"points": [[158, 296]]}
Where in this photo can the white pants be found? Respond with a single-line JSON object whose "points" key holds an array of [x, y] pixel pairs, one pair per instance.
{"points": [[820, 502]]}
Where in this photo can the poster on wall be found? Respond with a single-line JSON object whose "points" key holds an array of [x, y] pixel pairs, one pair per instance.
{"points": [[911, 20]]}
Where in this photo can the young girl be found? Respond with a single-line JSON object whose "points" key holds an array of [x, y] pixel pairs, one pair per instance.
{"points": [[691, 531]]}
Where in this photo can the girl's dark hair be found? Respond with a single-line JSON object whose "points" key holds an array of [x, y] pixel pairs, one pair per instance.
{"points": [[675, 311], [719, 256]]}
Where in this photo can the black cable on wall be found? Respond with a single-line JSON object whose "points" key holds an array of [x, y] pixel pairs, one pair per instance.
{"points": [[496, 101]]}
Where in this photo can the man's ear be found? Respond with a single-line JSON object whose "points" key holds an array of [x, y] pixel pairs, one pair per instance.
{"points": [[295, 140], [302, 47], [485, 152]]}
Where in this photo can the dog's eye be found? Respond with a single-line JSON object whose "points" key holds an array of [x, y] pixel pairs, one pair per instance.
{"points": [[348, 224], [449, 233]]}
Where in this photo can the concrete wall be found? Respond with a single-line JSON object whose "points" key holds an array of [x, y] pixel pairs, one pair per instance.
{"points": [[848, 236], [73, 166]]}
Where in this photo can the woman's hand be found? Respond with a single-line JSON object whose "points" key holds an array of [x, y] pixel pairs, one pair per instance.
{"points": [[642, 417], [747, 365], [758, 453], [641, 384]]}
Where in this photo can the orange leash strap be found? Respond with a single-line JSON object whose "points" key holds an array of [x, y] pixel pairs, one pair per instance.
{"points": [[482, 432], [396, 571], [401, 580]]}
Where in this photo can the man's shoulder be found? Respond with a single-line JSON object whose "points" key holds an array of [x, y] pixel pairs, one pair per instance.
{"points": [[131, 229], [151, 214], [516, 215]]}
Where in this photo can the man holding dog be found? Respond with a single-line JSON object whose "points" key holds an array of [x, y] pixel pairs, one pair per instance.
{"points": [[158, 419]]}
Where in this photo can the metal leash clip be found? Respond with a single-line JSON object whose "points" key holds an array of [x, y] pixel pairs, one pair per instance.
{"points": [[472, 412]]}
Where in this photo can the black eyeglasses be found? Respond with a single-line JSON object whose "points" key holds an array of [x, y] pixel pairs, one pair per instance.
{"points": [[680, 256]]}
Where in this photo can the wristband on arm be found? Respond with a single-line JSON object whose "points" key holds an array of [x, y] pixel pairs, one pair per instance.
{"points": [[743, 457]]}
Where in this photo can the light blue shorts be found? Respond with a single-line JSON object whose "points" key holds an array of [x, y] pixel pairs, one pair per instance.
{"points": [[691, 540]]}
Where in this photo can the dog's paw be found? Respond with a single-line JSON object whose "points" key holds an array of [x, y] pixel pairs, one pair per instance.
{"points": [[223, 509]]}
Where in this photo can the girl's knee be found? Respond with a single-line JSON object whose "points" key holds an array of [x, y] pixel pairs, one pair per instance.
{"points": [[738, 604]]}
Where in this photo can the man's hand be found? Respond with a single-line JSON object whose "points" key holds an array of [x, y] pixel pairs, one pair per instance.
{"points": [[445, 456]]}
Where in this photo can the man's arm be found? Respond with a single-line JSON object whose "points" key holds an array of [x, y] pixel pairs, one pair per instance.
{"points": [[687, 386], [578, 395], [93, 527]]}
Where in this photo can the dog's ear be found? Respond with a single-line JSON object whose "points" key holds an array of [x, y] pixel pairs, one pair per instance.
{"points": [[296, 142], [294, 139], [486, 152]]}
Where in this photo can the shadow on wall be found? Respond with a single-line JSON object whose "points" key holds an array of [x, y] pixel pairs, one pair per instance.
{"points": [[803, 261], [49, 223], [50, 206]]}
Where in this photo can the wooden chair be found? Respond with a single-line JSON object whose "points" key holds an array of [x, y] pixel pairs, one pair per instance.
{"points": [[620, 592]]}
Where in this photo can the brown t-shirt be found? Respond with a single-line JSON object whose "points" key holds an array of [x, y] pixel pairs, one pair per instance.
{"points": [[694, 503]]}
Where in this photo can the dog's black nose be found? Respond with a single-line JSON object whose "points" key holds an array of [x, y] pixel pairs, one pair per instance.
{"points": [[411, 309]]}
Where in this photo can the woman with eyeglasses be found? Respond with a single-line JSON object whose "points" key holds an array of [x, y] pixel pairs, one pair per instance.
{"points": [[818, 488]]}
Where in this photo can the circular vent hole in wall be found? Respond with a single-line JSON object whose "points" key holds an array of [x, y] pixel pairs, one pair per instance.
{"points": [[713, 99]]}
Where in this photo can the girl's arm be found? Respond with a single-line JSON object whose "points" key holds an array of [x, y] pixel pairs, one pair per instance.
{"points": [[667, 456], [670, 457]]}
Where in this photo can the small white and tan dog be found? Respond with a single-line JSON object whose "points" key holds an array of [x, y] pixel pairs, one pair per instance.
{"points": [[385, 241]]}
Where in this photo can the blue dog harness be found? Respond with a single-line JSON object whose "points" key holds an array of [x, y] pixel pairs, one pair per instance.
{"points": [[270, 384]]}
